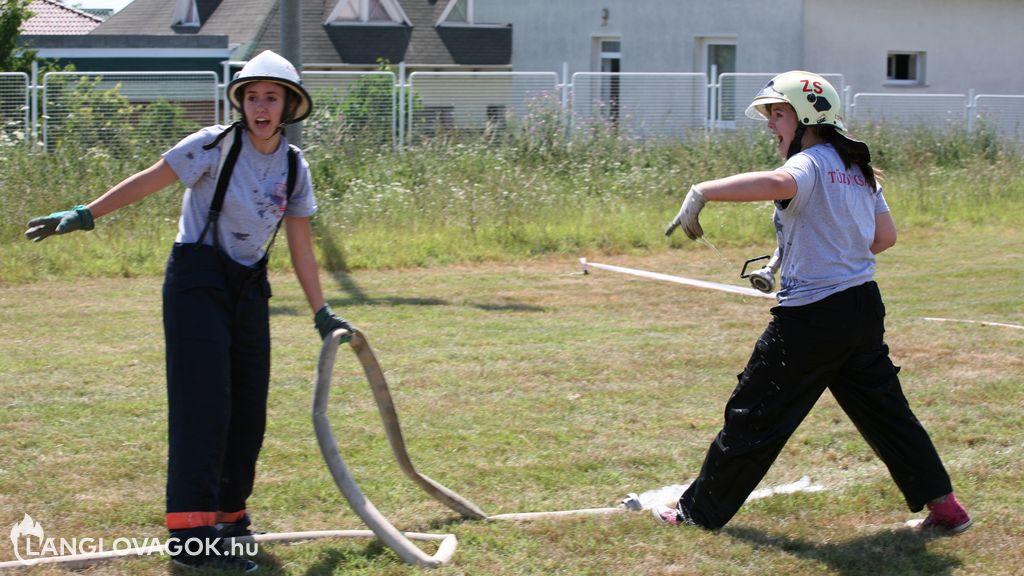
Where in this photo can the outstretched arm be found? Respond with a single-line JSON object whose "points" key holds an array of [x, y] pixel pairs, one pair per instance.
{"points": [[134, 188], [750, 187]]}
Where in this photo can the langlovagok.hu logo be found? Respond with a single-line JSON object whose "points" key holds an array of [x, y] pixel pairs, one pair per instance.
{"points": [[31, 544]]}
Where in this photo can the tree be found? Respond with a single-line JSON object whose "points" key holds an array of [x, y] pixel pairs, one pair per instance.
{"points": [[13, 59], [13, 13]]}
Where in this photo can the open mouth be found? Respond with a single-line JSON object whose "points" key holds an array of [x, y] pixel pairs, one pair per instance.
{"points": [[262, 122]]}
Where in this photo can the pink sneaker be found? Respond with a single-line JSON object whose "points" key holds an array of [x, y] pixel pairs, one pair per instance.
{"points": [[948, 517], [666, 515]]}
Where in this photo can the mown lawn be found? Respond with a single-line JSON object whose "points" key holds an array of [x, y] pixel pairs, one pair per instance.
{"points": [[527, 387]]}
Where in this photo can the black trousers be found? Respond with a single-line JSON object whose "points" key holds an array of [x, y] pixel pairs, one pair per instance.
{"points": [[217, 329], [835, 343]]}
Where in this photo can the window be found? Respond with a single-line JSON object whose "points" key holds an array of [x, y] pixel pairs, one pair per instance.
{"points": [[364, 11], [185, 13], [905, 68], [718, 56], [458, 12], [609, 57]]}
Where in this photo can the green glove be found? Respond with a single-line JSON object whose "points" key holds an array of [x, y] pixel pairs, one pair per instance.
{"points": [[327, 322], [78, 218]]}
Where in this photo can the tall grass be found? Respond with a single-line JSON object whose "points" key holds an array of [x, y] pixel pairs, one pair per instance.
{"points": [[495, 196]]}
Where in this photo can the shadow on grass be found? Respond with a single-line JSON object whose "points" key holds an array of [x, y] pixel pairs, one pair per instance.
{"points": [[897, 552], [338, 561]]}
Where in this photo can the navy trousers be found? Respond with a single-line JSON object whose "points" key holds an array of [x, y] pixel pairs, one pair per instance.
{"points": [[217, 329], [835, 343]]}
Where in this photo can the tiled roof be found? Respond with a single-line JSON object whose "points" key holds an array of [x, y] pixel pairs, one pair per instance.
{"points": [[239, 20], [254, 25], [53, 18], [423, 44]]}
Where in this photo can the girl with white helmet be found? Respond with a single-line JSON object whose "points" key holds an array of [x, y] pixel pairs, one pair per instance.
{"points": [[216, 319], [827, 331]]}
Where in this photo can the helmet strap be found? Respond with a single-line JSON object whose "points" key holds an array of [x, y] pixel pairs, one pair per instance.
{"points": [[797, 144]]}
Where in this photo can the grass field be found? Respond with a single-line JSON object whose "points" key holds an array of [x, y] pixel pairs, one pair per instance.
{"points": [[526, 387]]}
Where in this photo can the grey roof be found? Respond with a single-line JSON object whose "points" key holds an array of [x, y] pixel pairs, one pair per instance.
{"points": [[239, 20], [423, 44], [254, 25]]}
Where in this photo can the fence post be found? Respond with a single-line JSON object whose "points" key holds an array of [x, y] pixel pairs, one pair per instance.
{"points": [[32, 94], [401, 105], [713, 90], [566, 112], [970, 110]]}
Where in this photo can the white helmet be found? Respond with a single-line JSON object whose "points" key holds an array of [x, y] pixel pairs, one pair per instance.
{"points": [[815, 100], [269, 66]]}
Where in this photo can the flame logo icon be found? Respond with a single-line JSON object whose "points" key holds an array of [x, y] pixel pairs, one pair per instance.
{"points": [[27, 527]]}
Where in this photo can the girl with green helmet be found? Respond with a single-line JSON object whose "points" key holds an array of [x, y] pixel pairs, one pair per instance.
{"points": [[831, 219]]}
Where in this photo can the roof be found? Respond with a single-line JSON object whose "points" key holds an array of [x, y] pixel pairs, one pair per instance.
{"points": [[254, 25], [422, 45], [239, 20], [53, 18]]}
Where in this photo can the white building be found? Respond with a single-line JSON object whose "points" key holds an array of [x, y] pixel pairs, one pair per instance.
{"points": [[908, 46]]}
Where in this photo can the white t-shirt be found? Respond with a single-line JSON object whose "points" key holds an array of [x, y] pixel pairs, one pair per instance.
{"points": [[826, 231], [255, 200]]}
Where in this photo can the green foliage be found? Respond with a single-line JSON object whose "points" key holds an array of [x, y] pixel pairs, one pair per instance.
{"points": [[12, 58], [499, 196], [12, 14], [164, 123], [355, 115], [84, 115]]}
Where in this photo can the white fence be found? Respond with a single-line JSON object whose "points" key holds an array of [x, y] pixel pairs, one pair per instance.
{"points": [[14, 108], [446, 102], [118, 110], [123, 109], [640, 105]]}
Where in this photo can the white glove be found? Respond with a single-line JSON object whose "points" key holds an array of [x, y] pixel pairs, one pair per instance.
{"points": [[687, 217]]}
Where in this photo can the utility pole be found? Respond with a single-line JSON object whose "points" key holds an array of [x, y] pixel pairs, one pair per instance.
{"points": [[291, 48]]}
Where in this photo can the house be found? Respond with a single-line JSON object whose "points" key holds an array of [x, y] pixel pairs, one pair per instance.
{"points": [[910, 46], [52, 17], [336, 35]]}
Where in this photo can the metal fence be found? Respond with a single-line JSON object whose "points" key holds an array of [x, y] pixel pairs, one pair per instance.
{"points": [[640, 105], [14, 108], [1002, 114], [934, 111], [119, 110], [442, 103], [351, 106], [124, 109]]}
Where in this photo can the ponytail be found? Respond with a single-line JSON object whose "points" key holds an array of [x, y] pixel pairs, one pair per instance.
{"points": [[851, 152]]}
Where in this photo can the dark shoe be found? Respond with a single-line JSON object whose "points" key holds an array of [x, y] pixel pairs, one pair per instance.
{"points": [[199, 547], [945, 517], [236, 529]]}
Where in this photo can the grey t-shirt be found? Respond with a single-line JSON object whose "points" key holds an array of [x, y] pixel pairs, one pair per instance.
{"points": [[256, 198], [826, 231]]}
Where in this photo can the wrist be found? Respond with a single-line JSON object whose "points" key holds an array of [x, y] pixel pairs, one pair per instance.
{"points": [[85, 217]]}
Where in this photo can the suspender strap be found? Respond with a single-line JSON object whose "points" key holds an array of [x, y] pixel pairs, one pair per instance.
{"points": [[293, 171], [227, 165]]}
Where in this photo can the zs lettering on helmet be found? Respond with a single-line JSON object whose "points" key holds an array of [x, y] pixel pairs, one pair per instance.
{"points": [[810, 86]]}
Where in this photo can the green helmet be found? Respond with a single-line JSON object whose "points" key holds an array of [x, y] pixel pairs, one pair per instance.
{"points": [[815, 100]]}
